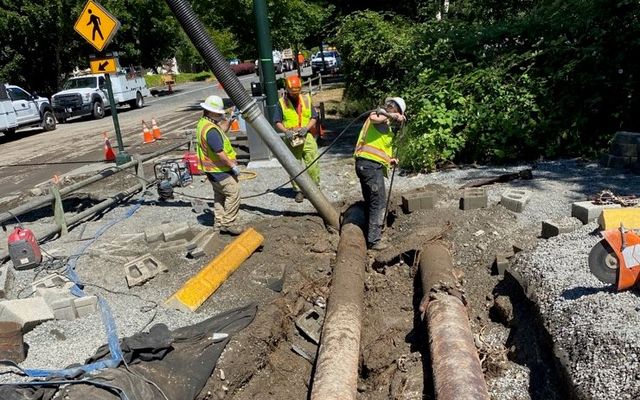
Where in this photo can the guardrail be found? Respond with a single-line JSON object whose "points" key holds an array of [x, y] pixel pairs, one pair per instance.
{"points": [[310, 83], [56, 195]]}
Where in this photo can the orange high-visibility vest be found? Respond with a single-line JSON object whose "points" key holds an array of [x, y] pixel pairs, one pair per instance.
{"points": [[208, 160]]}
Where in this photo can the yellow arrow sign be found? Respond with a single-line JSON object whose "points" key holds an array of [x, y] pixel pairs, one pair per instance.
{"points": [[96, 25], [103, 66]]}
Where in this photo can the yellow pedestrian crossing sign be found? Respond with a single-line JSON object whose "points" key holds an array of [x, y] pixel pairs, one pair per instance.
{"points": [[96, 25]]}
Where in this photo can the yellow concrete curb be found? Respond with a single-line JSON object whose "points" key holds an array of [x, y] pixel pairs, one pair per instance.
{"points": [[198, 289]]}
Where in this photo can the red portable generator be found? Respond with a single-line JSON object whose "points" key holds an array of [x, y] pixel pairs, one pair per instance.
{"points": [[24, 249]]}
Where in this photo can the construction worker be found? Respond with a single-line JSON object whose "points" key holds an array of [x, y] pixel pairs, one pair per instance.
{"points": [[295, 116], [217, 159], [374, 156]]}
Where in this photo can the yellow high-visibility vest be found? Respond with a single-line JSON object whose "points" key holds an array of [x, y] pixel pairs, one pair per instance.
{"points": [[293, 117], [375, 145], [208, 160]]}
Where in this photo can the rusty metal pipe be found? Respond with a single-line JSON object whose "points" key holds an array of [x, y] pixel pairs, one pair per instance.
{"points": [[457, 373], [336, 376]]}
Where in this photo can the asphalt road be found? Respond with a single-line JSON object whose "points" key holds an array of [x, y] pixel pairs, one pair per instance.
{"points": [[34, 156]]}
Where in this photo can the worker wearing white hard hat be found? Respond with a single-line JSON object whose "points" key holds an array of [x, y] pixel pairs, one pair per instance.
{"points": [[374, 156], [217, 159]]}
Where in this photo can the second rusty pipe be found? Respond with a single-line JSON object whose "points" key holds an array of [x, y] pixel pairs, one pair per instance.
{"points": [[457, 373]]}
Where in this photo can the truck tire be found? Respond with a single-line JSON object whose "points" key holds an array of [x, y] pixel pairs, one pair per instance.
{"points": [[97, 110], [138, 102], [48, 121], [11, 132]]}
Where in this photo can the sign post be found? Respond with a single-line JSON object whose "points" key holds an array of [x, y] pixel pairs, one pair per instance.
{"points": [[98, 27]]}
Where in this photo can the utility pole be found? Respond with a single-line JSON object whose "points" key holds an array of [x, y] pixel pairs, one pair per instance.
{"points": [[265, 49]]}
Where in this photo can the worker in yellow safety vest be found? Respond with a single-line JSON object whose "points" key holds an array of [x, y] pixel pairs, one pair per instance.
{"points": [[217, 159], [374, 156], [296, 117]]}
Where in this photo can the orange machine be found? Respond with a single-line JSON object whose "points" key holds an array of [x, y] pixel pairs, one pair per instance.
{"points": [[616, 258]]}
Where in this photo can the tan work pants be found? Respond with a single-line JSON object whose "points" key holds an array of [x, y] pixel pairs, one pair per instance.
{"points": [[227, 200]]}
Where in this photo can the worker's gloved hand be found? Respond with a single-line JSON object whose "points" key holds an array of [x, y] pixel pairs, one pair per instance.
{"points": [[382, 111], [290, 134], [303, 132], [235, 171]]}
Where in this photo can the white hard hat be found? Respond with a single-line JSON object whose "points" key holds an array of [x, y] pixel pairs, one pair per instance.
{"points": [[400, 102], [213, 104]]}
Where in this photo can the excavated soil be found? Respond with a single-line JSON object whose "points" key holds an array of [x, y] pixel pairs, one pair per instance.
{"points": [[260, 362]]}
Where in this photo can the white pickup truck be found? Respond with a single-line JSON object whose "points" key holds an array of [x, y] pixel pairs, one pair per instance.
{"points": [[21, 109], [87, 95]]}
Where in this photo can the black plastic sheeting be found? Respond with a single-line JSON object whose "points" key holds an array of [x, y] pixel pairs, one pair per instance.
{"points": [[179, 362]]}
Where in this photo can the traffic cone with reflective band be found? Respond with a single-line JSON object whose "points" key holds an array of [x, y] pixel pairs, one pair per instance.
{"points": [[109, 155], [156, 131], [147, 137]]}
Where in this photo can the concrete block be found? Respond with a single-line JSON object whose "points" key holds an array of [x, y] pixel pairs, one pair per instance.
{"points": [[64, 309], [310, 323], [27, 312], [142, 269], [205, 241], [554, 227], [85, 305], [474, 198], [6, 280], [629, 217], [515, 199], [624, 149], [500, 264], [52, 281], [418, 201], [176, 232], [153, 234], [586, 211]]}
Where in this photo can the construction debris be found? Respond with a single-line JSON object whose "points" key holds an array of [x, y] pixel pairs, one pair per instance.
{"points": [[143, 269], [524, 174]]}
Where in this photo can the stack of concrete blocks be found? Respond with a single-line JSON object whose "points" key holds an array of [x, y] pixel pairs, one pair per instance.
{"points": [[623, 152], [143, 269], [473, 198], [169, 237], [515, 199], [418, 201], [52, 300]]}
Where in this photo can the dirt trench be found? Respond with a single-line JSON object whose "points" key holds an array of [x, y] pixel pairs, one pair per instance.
{"points": [[273, 359]]}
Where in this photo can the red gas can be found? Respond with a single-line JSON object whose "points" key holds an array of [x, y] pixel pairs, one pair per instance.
{"points": [[191, 160], [24, 249]]}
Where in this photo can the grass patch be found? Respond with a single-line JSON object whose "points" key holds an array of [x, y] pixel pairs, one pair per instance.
{"points": [[156, 80]]}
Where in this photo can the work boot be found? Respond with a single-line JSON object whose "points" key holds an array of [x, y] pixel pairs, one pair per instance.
{"points": [[231, 230], [380, 246], [299, 197]]}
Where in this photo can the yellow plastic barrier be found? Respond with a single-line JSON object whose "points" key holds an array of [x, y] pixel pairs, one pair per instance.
{"points": [[611, 218], [198, 289]]}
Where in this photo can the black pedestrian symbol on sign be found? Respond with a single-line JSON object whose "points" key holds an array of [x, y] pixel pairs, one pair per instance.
{"points": [[95, 20]]}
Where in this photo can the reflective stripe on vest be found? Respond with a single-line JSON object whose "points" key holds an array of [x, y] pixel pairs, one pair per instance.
{"points": [[374, 145], [293, 117], [208, 160]]}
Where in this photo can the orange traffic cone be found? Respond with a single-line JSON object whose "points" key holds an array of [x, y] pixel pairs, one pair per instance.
{"points": [[156, 131], [109, 155], [235, 126], [147, 137]]}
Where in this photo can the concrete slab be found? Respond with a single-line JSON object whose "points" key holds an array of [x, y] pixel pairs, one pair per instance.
{"points": [[474, 198], [557, 226], [27, 312], [586, 211], [515, 199], [177, 232]]}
